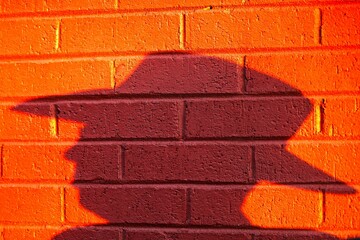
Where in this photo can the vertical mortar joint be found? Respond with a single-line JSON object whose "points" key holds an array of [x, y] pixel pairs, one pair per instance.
{"points": [[62, 203], [2, 233], [182, 118], [318, 26], [188, 205], [121, 162], [319, 116], [244, 75], [54, 121], [58, 35], [182, 31], [322, 207], [123, 234], [1, 161], [112, 75], [252, 174]]}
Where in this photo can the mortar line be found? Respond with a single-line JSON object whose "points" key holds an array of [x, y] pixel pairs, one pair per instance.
{"points": [[323, 206], [244, 75], [62, 204], [56, 108], [183, 121], [112, 75], [84, 56], [121, 162], [53, 121], [182, 31], [188, 206], [58, 35], [317, 117], [253, 165], [2, 161], [122, 236], [318, 26], [322, 115], [153, 11], [2, 233], [116, 4]]}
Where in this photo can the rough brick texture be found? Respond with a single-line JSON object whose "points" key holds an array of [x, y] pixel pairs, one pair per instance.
{"points": [[207, 163], [179, 120], [244, 29], [69, 77], [245, 118], [129, 204], [123, 33], [123, 119], [28, 36]]}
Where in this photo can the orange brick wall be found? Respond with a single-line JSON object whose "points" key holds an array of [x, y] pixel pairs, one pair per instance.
{"points": [[160, 119]]}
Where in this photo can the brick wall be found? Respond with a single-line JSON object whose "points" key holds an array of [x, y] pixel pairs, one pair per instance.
{"points": [[216, 119]]}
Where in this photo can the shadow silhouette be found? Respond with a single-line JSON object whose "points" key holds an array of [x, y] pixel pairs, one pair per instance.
{"points": [[190, 77]]}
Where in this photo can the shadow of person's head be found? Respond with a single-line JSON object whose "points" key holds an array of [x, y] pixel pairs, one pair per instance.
{"points": [[181, 97]]}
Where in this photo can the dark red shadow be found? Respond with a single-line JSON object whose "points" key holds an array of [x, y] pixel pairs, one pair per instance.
{"points": [[136, 115]]}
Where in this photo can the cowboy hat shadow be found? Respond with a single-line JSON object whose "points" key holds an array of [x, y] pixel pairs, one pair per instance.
{"points": [[108, 114]]}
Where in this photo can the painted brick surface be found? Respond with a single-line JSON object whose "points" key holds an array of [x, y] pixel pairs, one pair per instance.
{"points": [[130, 204], [207, 163], [122, 33], [121, 119], [28, 36], [245, 118], [245, 29], [218, 119], [68, 76]]}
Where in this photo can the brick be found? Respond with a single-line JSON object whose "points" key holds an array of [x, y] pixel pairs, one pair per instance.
{"points": [[26, 6], [55, 78], [34, 233], [260, 28], [341, 117], [128, 204], [18, 6], [291, 234], [277, 2], [179, 74], [218, 206], [27, 36], [200, 162], [123, 33], [55, 5], [285, 207], [61, 162], [30, 205], [246, 118], [274, 163], [202, 4], [30, 233], [96, 162], [321, 72], [342, 208], [266, 207], [16, 124], [337, 159], [186, 235], [121, 119], [340, 25], [90, 233], [159, 4]]}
